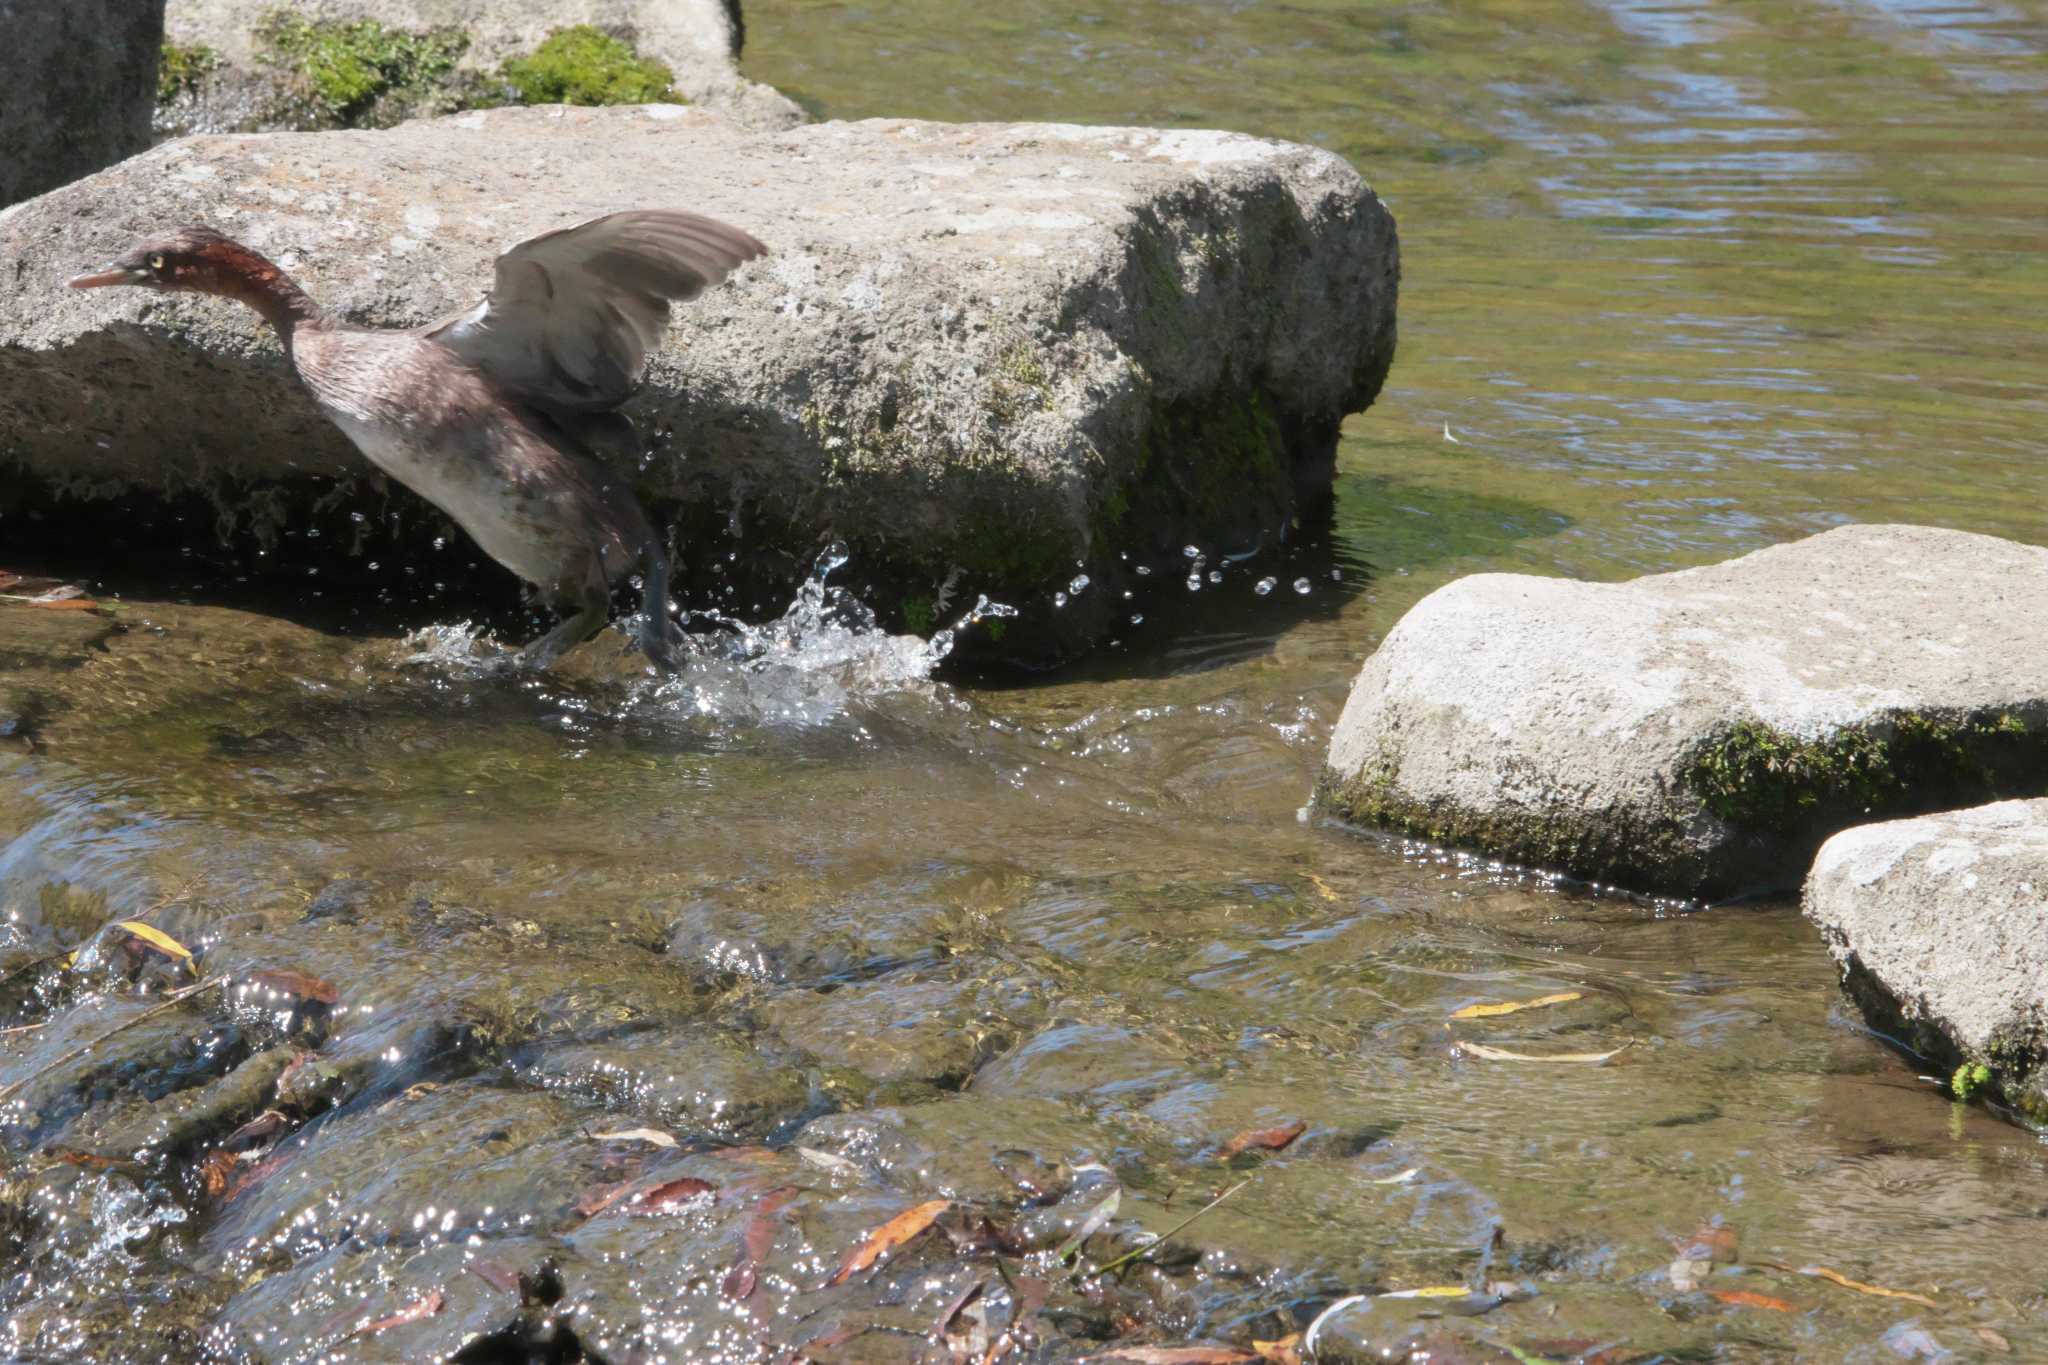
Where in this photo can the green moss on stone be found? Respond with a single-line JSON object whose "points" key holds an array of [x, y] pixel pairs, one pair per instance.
{"points": [[1969, 1079], [585, 65], [183, 68], [1757, 776], [919, 615], [352, 68]]}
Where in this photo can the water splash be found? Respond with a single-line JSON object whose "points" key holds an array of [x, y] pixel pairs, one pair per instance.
{"points": [[825, 653]]}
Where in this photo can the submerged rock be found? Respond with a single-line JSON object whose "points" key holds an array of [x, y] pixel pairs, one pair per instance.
{"points": [[989, 357], [80, 79], [1700, 733], [1940, 925], [234, 66]]}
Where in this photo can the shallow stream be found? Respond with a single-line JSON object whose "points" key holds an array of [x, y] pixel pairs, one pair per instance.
{"points": [[1680, 280]]}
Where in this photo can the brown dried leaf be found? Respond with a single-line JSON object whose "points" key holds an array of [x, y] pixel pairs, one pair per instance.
{"points": [[286, 981], [1743, 1298], [601, 1197], [892, 1234], [667, 1196], [266, 1124], [217, 1171], [421, 1308], [1272, 1139], [1994, 1341], [1710, 1243], [496, 1274], [1176, 1355], [91, 1161]]}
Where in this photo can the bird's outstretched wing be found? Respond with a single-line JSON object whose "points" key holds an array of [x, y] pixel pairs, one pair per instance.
{"points": [[573, 313]]}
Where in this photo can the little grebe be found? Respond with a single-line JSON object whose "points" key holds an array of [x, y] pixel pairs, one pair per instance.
{"points": [[495, 415]]}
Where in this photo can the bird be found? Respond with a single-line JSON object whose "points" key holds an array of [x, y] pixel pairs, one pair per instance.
{"points": [[498, 415]]}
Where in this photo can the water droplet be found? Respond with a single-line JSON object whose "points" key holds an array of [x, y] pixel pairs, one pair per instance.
{"points": [[1215, 575], [1265, 585], [1194, 582], [440, 541], [1302, 586], [1137, 618], [1079, 585], [1144, 571], [1192, 552], [1059, 599]]}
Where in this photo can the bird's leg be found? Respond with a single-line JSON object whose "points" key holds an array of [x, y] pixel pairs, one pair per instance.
{"points": [[659, 637], [593, 610]]}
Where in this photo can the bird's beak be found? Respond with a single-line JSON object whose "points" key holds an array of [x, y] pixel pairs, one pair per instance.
{"points": [[100, 279]]}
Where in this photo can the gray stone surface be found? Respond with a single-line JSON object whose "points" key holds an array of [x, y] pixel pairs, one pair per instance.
{"points": [[1940, 924], [1699, 733], [699, 40], [1002, 349], [77, 83]]}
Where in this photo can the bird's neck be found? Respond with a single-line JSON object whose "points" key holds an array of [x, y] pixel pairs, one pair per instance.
{"points": [[239, 273]]}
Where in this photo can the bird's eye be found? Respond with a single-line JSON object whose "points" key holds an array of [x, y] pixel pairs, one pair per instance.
{"points": [[156, 262]]}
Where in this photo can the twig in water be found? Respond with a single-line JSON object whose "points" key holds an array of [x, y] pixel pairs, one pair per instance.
{"points": [[1163, 1237], [171, 1001]]}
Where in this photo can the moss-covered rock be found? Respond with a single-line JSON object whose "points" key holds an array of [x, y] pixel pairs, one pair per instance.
{"points": [[1941, 929], [582, 65], [1700, 733]]}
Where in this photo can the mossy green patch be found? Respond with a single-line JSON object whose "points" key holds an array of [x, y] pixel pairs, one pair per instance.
{"points": [[1969, 1079], [585, 65], [356, 71], [919, 615], [182, 68], [1757, 776]]}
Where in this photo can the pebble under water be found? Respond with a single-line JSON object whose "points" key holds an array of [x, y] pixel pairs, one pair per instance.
{"points": [[579, 1016]]}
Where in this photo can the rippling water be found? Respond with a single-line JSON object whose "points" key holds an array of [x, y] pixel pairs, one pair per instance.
{"points": [[1682, 279]]}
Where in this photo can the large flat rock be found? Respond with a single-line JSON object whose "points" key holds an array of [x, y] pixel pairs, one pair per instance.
{"points": [[1941, 926], [1007, 350], [1700, 733], [79, 80], [698, 40]]}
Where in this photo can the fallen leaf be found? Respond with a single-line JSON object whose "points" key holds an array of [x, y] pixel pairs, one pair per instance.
{"points": [[601, 1197], [1515, 1006], [91, 1161], [1993, 1340], [1434, 1291], [496, 1274], [1092, 1224], [217, 1171], [649, 1135], [1837, 1277], [421, 1308], [289, 982], [1710, 1243], [1400, 1178], [1743, 1298], [830, 1162], [1322, 887], [266, 1124], [755, 1243], [1272, 1139], [892, 1234], [249, 1174], [157, 939], [1286, 1351], [1501, 1054], [664, 1198], [1176, 1355]]}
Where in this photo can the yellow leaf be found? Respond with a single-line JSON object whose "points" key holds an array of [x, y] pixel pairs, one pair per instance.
{"points": [[1861, 1288], [1515, 1006], [1322, 887], [1435, 1291], [1501, 1054], [156, 938]]}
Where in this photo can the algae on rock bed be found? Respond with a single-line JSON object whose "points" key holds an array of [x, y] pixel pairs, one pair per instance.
{"points": [[328, 73]]}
